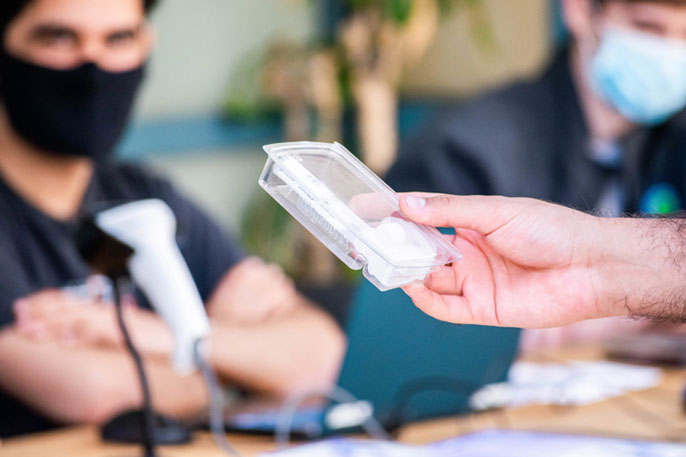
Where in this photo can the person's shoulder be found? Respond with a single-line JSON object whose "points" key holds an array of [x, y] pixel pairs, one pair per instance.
{"points": [[13, 212], [500, 126], [514, 108], [499, 136]]}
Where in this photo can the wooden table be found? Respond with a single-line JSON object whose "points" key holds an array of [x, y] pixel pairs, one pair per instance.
{"points": [[650, 414]]}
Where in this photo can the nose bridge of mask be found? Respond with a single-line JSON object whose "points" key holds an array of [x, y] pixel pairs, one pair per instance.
{"points": [[89, 77], [651, 57], [649, 44]]}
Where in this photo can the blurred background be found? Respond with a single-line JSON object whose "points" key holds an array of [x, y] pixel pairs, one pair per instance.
{"points": [[231, 75]]}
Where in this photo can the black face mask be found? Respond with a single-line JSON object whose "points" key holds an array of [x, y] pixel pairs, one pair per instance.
{"points": [[77, 112]]}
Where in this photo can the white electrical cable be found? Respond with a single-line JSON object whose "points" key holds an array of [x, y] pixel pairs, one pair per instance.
{"points": [[216, 403], [290, 407]]}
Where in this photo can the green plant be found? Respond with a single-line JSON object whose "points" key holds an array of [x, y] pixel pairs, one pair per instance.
{"points": [[374, 45], [399, 11]]}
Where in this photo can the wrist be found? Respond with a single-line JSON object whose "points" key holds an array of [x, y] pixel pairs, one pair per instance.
{"points": [[637, 267], [149, 332]]}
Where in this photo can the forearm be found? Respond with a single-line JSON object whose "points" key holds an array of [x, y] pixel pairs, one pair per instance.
{"points": [[76, 385], [300, 351], [641, 267], [283, 353]]}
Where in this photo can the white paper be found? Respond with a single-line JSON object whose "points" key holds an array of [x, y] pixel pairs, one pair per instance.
{"points": [[574, 383], [493, 443]]}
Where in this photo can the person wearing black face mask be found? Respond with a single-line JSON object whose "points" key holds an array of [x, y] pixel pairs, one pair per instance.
{"points": [[62, 108], [69, 73]]}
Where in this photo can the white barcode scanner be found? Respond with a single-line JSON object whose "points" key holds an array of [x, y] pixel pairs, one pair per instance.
{"points": [[158, 268], [138, 240]]}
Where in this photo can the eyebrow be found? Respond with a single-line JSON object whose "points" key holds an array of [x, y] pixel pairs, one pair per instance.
{"points": [[647, 24], [125, 32], [43, 31], [49, 30]]}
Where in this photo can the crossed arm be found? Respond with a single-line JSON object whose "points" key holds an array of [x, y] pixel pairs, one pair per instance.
{"points": [[65, 357], [88, 384]]}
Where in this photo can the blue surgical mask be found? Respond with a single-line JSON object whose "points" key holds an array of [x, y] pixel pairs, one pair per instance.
{"points": [[640, 75]]}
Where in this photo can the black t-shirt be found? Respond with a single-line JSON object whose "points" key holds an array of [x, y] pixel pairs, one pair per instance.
{"points": [[38, 252]]}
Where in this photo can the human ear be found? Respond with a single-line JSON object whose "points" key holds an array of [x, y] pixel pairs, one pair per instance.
{"points": [[578, 17], [148, 39]]}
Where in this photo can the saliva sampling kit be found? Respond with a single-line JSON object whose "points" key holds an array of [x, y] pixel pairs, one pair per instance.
{"points": [[353, 212]]}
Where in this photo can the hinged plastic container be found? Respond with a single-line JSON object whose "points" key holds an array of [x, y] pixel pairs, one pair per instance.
{"points": [[353, 212]]}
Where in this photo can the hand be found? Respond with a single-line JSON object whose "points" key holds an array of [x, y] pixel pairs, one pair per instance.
{"points": [[253, 292], [56, 315], [526, 263]]}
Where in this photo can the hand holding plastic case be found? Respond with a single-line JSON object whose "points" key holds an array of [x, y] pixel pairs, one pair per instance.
{"points": [[353, 212]]}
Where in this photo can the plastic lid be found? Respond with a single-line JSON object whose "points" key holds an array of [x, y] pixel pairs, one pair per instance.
{"points": [[353, 212]]}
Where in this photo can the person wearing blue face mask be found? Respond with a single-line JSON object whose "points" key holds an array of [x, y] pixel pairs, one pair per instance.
{"points": [[602, 129]]}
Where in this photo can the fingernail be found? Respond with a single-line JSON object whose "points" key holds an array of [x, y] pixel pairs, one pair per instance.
{"points": [[415, 202]]}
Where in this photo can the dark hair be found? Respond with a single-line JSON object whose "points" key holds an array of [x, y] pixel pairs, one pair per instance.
{"points": [[10, 9]]}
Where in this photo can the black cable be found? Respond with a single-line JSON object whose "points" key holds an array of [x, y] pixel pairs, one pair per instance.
{"points": [[398, 415], [216, 398], [148, 417]]}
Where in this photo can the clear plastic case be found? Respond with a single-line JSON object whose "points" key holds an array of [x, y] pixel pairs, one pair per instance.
{"points": [[353, 212]]}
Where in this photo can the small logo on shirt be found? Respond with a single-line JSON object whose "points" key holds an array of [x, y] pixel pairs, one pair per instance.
{"points": [[661, 198]]}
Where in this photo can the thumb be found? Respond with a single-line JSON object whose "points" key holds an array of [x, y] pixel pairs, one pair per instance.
{"points": [[474, 212]]}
